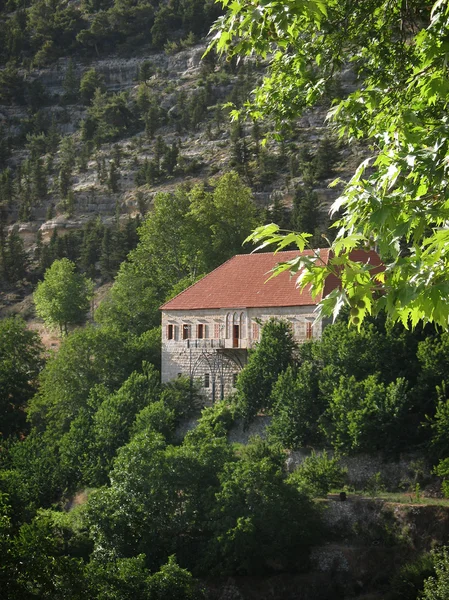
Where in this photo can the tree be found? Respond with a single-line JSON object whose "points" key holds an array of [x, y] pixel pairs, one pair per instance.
{"points": [[63, 297], [186, 234], [296, 407], [367, 415], [90, 82], [271, 357], [307, 214], [258, 517], [91, 356], [319, 474], [436, 587], [20, 363], [15, 258], [128, 578], [70, 84], [399, 204]]}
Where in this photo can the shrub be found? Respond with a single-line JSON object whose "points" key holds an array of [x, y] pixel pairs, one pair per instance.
{"points": [[319, 474]]}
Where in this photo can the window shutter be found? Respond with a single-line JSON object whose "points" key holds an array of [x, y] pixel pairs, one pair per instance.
{"points": [[255, 335]]}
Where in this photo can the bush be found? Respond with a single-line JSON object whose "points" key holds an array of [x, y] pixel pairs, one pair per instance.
{"points": [[319, 474], [442, 470], [407, 583], [437, 586]]}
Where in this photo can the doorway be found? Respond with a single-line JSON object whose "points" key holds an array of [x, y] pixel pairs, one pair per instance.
{"points": [[235, 336]]}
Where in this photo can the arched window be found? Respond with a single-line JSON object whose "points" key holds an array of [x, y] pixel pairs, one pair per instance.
{"points": [[235, 330], [242, 326], [228, 326]]}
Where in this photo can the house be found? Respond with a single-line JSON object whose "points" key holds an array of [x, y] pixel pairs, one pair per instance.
{"points": [[208, 328]]}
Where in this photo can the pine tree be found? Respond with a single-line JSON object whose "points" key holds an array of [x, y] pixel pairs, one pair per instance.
{"points": [[70, 203], [306, 215], [39, 245], [53, 137], [39, 181], [90, 248], [70, 84], [16, 258], [65, 179], [170, 158], [159, 150], [113, 178], [83, 156], [141, 203], [6, 186], [278, 213], [50, 212], [326, 158], [3, 214], [116, 154], [105, 256], [146, 70]]}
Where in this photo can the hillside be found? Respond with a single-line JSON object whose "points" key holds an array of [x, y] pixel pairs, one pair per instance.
{"points": [[93, 131]]}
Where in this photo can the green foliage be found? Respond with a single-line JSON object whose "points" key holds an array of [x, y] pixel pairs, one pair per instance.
{"points": [[63, 297], [156, 417], [157, 499], [397, 196], [185, 235], [433, 356], [272, 356], [119, 579], [218, 419], [13, 257], [108, 117], [123, 578], [442, 470], [37, 565], [35, 471], [21, 359], [88, 357], [297, 407], [71, 84], [366, 416], [408, 582], [173, 583], [375, 484], [436, 587], [307, 213], [89, 447], [12, 86], [90, 82], [439, 425], [258, 516], [319, 474]]}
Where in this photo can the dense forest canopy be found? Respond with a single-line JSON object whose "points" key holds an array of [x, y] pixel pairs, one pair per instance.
{"points": [[36, 33]]}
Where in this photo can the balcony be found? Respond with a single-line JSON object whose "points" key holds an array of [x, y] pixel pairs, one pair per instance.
{"points": [[219, 344], [205, 343], [235, 344]]}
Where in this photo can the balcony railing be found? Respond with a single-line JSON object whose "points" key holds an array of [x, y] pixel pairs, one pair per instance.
{"points": [[221, 343], [205, 343]]}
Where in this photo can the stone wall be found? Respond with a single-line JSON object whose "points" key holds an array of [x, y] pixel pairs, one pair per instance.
{"points": [[399, 474], [210, 356]]}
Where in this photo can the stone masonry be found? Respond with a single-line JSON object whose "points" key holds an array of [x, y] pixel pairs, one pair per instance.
{"points": [[216, 358]]}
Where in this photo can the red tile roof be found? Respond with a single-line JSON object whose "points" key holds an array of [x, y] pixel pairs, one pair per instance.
{"points": [[241, 282]]}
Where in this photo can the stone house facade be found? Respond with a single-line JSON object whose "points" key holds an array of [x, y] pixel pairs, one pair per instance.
{"points": [[208, 328]]}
